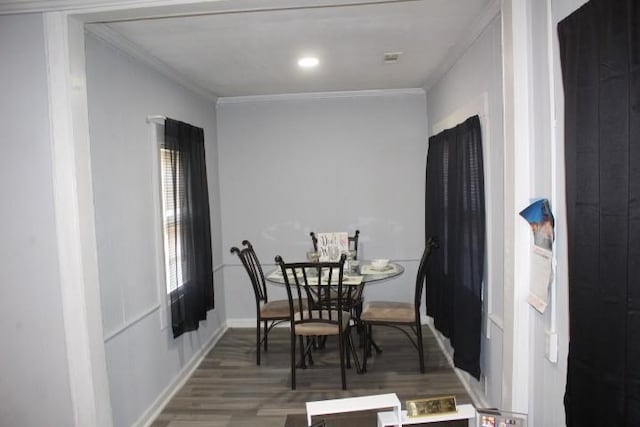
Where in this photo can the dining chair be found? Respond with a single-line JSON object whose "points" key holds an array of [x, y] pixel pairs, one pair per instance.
{"points": [[353, 242], [399, 315], [268, 313], [314, 313]]}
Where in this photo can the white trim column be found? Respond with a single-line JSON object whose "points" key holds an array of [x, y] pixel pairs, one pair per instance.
{"points": [[518, 148], [75, 228]]}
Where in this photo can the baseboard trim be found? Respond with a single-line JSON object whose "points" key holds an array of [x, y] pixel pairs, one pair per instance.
{"points": [[147, 418], [479, 400], [250, 323]]}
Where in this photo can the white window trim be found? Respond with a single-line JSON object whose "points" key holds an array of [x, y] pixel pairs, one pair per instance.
{"points": [[157, 138]]}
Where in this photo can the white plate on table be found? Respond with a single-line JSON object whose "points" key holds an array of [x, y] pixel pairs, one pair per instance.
{"points": [[381, 269]]}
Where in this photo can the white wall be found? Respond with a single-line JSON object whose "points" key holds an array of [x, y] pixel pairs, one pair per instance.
{"points": [[474, 86], [549, 379], [34, 375], [143, 359], [293, 164]]}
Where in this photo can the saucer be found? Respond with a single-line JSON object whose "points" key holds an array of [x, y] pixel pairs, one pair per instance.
{"points": [[381, 269]]}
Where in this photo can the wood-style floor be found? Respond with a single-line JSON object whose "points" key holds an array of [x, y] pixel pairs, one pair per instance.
{"points": [[228, 389]]}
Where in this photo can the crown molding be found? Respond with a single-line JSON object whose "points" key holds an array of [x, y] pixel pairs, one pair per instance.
{"points": [[30, 6], [149, 8], [111, 37], [9, 7], [319, 95]]}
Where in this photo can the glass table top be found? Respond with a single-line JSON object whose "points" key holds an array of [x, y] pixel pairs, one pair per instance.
{"points": [[366, 270]]}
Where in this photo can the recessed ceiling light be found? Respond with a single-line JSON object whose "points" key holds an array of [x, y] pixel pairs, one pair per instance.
{"points": [[308, 62]]}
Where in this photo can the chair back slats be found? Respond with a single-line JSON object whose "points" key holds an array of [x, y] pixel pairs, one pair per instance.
{"points": [[309, 286], [253, 268], [422, 271]]}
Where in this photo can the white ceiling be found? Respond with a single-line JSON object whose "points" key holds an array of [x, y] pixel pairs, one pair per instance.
{"points": [[250, 47]]}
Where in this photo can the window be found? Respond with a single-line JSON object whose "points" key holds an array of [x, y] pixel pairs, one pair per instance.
{"points": [[184, 227], [173, 204]]}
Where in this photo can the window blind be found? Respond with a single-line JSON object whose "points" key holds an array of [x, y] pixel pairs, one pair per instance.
{"points": [[173, 203]]}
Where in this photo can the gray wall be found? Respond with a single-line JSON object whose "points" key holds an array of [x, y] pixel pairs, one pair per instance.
{"points": [[34, 376], [142, 357], [549, 379], [340, 162], [478, 73], [459, 94]]}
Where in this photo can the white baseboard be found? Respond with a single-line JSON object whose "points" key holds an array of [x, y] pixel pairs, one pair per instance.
{"points": [[250, 323], [477, 397], [147, 418], [241, 323]]}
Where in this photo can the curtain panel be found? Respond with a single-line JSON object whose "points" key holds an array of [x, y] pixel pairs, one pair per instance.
{"points": [[455, 216], [193, 297], [600, 51]]}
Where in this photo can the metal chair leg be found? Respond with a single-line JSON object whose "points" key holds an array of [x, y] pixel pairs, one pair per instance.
{"points": [[420, 346], [303, 353], [258, 342], [365, 347], [341, 349], [266, 335], [293, 361]]}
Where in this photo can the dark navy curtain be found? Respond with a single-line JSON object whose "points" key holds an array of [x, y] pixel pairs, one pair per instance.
{"points": [[455, 216], [600, 51], [191, 299]]}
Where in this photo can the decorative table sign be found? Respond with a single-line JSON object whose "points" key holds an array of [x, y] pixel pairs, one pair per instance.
{"points": [[332, 245], [431, 406]]}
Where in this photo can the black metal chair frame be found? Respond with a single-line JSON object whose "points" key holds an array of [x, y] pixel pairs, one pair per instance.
{"points": [[308, 297], [356, 297], [415, 327], [252, 265]]}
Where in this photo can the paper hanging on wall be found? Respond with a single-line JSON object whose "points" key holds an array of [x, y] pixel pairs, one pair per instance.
{"points": [[538, 215]]}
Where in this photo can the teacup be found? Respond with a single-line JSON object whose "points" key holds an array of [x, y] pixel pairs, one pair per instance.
{"points": [[379, 264]]}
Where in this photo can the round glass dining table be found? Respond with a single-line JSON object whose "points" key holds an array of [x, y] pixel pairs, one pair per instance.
{"points": [[367, 274], [365, 269]]}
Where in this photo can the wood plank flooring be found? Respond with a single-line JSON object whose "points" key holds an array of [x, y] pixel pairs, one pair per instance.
{"points": [[228, 389]]}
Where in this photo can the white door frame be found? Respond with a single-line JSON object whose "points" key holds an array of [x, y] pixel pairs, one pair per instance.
{"points": [[517, 65], [75, 217]]}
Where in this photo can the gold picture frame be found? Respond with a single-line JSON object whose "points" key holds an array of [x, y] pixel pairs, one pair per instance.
{"points": [[431, 406]]}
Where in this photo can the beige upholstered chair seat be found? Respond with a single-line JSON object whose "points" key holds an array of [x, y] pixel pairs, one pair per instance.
{"points": [[388, 311], [321, 328], [278, 309]]}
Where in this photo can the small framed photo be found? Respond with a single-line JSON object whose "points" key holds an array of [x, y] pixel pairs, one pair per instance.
{"points": [[431, 406]]}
